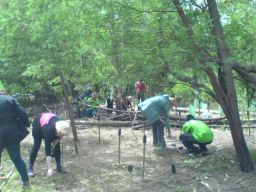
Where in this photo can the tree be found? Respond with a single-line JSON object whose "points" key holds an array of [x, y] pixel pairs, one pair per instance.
{"points": [[222, 81]]}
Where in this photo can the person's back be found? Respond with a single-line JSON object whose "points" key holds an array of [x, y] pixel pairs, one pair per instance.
{"points": [[152, 108], [13, 121], [140, 86], [200, 131], [196, 132], [13, 129]]}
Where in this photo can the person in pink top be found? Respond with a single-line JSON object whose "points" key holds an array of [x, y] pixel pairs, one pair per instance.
{"points": [[140, 88], [51, 128]]}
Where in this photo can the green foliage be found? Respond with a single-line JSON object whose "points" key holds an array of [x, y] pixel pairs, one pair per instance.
{"points": [[115, 42]]}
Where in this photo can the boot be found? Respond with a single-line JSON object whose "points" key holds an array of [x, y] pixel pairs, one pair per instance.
{"points": [[30, 171], [60, 168]]}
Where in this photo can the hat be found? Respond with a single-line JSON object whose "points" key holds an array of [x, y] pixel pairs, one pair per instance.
{"points": [[1, 86], [62, 127]]}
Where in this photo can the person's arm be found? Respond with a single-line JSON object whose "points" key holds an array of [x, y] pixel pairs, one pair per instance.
{"points": [[21, 114], [48, 158], [49, 138], [167, 120]]}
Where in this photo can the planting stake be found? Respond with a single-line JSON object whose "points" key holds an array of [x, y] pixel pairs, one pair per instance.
{"points": [[144, 150], [130, 168], [119, 144], [99, 127]]}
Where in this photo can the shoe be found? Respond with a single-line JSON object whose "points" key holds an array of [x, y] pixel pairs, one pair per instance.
{"points": [[204, 153], [194, 153], [191, 155], [60, 169], [31, 172], [25, 184]]}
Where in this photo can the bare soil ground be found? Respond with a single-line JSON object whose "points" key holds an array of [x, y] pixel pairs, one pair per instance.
{"points": [[96, 169]]}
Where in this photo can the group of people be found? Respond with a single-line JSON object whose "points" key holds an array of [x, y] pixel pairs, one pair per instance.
{"points": [[194, 132], [13, 129], [51, 128]]}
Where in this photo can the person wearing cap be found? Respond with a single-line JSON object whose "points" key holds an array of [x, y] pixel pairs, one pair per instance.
{"points": [[13, 129], [196, 132], [51, 128], [152, 108]]}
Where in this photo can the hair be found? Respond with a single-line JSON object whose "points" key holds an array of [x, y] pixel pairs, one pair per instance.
{"points": [[63, 127], [189, 117]]}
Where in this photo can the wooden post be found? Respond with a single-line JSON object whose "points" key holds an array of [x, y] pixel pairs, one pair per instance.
{"points": [[119, 144], [130, 168], [99, 127], [144, 151]]}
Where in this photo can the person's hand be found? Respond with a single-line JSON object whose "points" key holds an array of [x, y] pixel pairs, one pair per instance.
{"points": [[49, 172], [169, 135], [55, 142]]}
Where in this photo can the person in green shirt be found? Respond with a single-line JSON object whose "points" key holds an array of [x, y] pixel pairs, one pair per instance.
{"points": [[92, 104], [196, 132]]}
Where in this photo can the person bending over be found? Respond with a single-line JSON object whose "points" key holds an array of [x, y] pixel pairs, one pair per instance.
{"points": [[51, 128], [152, 108]]}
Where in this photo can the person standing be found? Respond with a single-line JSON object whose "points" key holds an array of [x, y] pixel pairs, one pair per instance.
{"points": [[51, 128], [109, 104], [92, 104], [152, 108], [13, 129], [140, 88], [196, 132]]}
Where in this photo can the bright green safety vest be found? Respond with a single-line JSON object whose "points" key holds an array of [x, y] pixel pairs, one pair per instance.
{"points": [[200, 131]]}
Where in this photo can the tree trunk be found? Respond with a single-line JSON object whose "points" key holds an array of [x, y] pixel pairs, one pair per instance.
{"points": [[229, 106], [70, 111]]}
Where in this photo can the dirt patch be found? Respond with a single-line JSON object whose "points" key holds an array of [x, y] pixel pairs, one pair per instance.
{"points": [[96, 168]]}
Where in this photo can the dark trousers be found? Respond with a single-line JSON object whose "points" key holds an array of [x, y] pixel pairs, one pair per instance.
{"points": [[158, 133], [36, 147], [140, 97], [14, 154], [189, 142]]}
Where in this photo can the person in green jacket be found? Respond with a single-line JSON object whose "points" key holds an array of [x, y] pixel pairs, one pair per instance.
{"points": [[196, 132], [152, 108], [92, 104]]}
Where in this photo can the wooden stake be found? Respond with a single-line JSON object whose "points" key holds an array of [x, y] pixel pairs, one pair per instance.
{"points": [[119, 145], [99, 127], [144, 150]]}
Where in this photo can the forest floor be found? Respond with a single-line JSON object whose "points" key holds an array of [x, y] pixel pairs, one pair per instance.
{"points": [[96, 167]]}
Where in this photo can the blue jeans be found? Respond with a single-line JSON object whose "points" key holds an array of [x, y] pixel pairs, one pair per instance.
{"points": [[15, 156]]}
